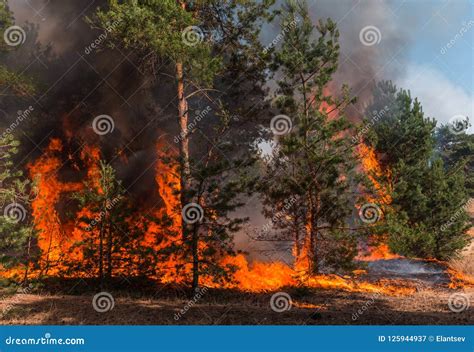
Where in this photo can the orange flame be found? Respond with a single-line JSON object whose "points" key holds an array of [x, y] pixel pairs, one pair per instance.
{"points": [[56, 238], [373, 170], [371, 166], [51, 235]]}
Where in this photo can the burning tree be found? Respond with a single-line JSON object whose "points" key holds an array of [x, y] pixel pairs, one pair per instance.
{"points": [[312, 161], [425, 195], [206, 45], [219, 179], [103, 221]]}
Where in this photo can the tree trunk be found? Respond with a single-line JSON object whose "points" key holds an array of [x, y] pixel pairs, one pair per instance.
{"points": [[27, 264], [296, 236], [310, 237], [46, 269], [195, 247], [184, 140], [101, 255], [109, 253]]}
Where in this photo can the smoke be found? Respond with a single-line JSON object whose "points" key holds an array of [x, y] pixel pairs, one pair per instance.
{"points": [[373, 44], [83, 81], [79, 78], [60, 23]]}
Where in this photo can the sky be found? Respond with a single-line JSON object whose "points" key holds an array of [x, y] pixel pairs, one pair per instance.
{"points": [[425, 46], [440, 66]]}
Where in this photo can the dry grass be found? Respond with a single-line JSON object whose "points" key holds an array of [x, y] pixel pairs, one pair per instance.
{"points": [[223, 307], [465, 264]]}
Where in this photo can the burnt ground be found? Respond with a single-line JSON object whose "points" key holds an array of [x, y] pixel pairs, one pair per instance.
{"points": [[226, 307]]}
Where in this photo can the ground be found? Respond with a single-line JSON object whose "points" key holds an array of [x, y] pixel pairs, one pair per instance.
{"points": [[310, 306]]}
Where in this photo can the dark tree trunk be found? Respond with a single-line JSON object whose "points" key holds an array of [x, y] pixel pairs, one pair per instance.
{"points": [[101, 255], [195, 248], [109, 253]]}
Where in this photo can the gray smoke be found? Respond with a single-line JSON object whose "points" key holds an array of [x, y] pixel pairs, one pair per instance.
{"points": [[361, 65]]}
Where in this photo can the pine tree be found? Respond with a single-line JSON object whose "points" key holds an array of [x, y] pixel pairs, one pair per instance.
{"points": [[166, 30], [103, 221], [210, 46], [15, 83], [457, 152], [309, 174], [17, 234], [219, 179], [425, 196]]}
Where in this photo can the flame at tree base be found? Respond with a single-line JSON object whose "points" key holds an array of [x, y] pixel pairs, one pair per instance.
{"points": [[381, 252], [263, 277]]}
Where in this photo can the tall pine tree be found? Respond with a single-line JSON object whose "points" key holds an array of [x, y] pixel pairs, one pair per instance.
{"points": [[209, 46], [308, 176]]}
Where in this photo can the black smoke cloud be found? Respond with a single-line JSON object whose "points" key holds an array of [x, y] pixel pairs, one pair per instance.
{"points": [[79, 78]]}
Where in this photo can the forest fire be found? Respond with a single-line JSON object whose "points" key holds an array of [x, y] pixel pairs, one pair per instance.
{"points": [[58, 239], [232, 162]]}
